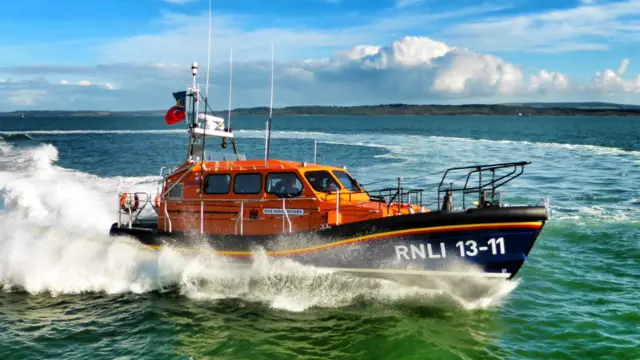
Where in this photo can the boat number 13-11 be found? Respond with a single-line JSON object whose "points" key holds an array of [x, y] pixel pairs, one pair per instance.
{"points": [[471, 248]]}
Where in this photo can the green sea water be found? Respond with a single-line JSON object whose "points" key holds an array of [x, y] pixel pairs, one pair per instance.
{"points": [[69, 291]]}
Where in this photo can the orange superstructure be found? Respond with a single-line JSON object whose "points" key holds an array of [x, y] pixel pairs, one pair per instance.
{"points": [[254, 197]]}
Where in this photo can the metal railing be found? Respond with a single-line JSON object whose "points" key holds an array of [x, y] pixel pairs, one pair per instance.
{"points": [[397, 195], [143, 199], [386, 197], [286, 220], [287, 224], [486, 190]]}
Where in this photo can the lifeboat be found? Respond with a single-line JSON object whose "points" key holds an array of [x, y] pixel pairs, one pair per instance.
{"points": [[320, 215]]}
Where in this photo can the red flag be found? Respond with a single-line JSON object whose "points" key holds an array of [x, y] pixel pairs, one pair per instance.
{"points": [[174, 116]]}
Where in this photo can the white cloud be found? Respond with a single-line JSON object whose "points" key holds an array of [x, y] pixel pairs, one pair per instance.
{"points": [[610, 82], [38, 93], [546, 82], [593, 26], [26, 97], [408, 70], [187, 35], [623, 67]]}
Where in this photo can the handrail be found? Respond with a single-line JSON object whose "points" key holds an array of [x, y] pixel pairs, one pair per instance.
{"points": [[285, 214], [397, 195], [240, 220], [230, 202], [338, 206], [493, 184], [262, 200], [225, 164], [167, 218], [179, 180], [145, 201], [201, 216]]}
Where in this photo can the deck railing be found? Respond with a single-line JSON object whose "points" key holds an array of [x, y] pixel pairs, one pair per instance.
{"points": [[386, 197], [486, 186], [285, 206], [143, 199]]}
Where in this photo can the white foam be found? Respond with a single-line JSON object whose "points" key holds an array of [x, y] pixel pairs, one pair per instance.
{"points": [[406, 142]]}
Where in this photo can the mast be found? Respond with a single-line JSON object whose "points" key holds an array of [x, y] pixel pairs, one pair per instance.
{"points": [[191, 113], [201, 125], [268, 130]]}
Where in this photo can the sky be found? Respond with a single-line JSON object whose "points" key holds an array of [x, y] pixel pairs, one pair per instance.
{"points": [[122, 55]]}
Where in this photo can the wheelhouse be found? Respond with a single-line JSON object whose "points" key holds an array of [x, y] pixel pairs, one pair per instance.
{"points": [[251, 197]]}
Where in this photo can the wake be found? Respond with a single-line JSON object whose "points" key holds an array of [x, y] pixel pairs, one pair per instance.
{"points": [[55, 240]]}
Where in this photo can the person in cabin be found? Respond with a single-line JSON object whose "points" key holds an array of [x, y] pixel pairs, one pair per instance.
{"points": [[330, 185], [288, 187]]}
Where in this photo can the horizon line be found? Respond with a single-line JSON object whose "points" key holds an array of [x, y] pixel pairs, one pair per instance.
{"points": [[524, 104]]}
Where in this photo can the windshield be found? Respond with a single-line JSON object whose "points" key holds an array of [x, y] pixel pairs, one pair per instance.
{"points": [[347, 181], [321, 181]]}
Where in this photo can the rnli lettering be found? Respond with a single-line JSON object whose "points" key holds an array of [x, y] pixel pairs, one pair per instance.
{"points": [[466, 248], [280, 212], [430, 251]]}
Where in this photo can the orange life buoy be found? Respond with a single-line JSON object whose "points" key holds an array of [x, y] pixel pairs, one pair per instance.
{"points": [[157, 201], [127, 204]]}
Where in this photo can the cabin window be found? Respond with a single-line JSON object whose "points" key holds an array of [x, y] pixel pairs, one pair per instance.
{"points": [[247, 184], [321, 181], [217, 184], [175, 192], [284, 184], [347, 181]]}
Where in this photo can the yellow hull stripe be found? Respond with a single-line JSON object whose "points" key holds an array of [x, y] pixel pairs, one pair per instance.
{"points": [[433, 229]]}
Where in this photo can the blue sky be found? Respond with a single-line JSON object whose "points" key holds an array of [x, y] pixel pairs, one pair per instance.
{"points": [[125, 55]]}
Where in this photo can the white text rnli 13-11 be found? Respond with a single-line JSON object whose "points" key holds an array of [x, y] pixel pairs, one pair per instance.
{"points": [[465, 248]]}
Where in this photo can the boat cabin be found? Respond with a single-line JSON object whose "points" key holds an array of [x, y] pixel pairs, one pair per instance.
{"points": [[254, 197]]}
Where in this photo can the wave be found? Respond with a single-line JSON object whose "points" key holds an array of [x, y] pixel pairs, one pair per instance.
{"points": [[55, 240], [16, 137], [402, 141]]}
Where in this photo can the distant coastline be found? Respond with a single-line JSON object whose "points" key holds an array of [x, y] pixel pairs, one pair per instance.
{"points": [[526, 109]]}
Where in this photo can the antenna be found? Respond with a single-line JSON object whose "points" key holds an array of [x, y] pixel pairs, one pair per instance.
{"points": [[230, 78], [208, 57], [268, 137], [271, 105]]}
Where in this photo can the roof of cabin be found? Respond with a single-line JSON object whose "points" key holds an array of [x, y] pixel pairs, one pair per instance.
{"points": [[260, 165]]}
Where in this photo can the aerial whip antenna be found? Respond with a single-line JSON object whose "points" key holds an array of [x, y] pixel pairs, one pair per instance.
{"points": [[268, 137], [208, 57], [204, 122], [230, 79]]}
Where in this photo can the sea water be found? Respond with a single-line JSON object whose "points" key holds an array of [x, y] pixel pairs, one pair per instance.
{"points": [[69, 291]]}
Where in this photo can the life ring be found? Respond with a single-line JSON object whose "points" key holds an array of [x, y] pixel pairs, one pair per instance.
{"points": [[127, 204], [156, 202]]}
